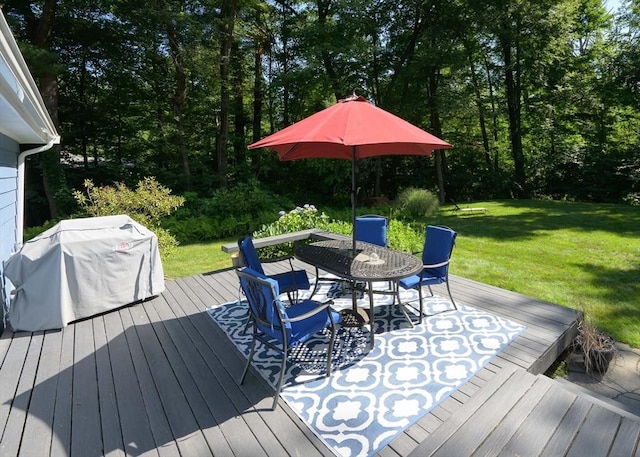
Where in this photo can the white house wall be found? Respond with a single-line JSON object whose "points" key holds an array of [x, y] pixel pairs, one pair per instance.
{"points": [[8, 212], [8, 182]]}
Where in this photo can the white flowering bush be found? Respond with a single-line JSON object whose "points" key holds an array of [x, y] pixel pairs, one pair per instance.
{"points": [[300, 218], [402, 236]]}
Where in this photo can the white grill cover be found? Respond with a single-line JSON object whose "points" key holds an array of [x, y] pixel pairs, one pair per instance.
{"points": [[80, 268]]}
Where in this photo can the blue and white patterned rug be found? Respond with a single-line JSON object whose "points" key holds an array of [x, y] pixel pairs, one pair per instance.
{"points": [[374, 395]]}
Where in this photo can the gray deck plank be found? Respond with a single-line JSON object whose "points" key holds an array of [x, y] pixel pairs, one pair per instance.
{"points": [[452, 424], [136, 428], [484, 421], [9, 379], [627, 439], [5, 344], [85, 427], [203, 328], [539, 425], [152, 395], [199, 293], [227, 417], [509, 424], [18, 414], [186, 392], [596, 434], [109, 416], [61, 442], [302, 440], [564, 434], [40, 420]]}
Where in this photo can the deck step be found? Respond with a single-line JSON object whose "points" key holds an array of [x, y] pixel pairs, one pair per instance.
{"points": [[518, 413], [606, 402]]}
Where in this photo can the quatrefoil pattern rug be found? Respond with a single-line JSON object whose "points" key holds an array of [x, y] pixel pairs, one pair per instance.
{"points": [[374, 395]]}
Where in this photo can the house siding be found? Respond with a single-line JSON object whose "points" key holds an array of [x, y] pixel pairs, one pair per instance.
{"points": [[9, 150], [8, 193]]}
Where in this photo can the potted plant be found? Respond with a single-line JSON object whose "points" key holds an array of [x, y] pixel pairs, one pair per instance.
{"points": [[598, 348]]}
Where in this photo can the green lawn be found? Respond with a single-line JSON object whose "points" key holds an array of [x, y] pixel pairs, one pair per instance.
{"points": [[585, 256], [581, 255]]}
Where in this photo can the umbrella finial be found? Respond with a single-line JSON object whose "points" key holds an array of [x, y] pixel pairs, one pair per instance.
{"points": [[353, 98]]}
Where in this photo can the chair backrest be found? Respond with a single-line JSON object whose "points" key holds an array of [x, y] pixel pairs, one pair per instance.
{"points": [[249, 255], [266, 308], [372, 229], [438, 246]]}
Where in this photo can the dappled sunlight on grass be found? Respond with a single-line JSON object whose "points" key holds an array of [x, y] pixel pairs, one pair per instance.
{"points": [[579, 255]]}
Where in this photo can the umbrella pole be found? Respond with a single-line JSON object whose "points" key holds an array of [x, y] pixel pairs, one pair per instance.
{"points": [[353, 201]]}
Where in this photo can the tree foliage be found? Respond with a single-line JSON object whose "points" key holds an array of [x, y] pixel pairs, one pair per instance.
{"points": [[539, 98]]}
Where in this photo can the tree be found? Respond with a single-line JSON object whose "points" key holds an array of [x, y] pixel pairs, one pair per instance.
{"points": [[39, 25]]}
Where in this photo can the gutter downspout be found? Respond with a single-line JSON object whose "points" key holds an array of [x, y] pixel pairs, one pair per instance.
{"points": [[20, 189]]}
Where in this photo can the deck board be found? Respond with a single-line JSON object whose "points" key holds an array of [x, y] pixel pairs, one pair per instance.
{"points": [[109, 418], [136, 426], [160, 378], [85, 427], [17, 415], [44, 395]]}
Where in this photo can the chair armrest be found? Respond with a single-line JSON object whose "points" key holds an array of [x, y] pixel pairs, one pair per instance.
{"points": [[313, 312], [436, 265]]}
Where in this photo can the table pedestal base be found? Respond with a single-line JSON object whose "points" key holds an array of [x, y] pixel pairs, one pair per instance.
{"points": [[351, 318]]}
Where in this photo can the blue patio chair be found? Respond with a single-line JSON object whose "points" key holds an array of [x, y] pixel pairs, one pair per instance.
{"points": [[436, 255], [289, 282], [372, 229], [280, 327]]}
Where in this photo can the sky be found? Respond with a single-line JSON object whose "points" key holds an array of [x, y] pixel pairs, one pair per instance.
{"points": [[612, 5]]}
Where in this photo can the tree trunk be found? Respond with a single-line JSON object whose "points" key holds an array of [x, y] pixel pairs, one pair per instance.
{"points": [[240, 121], [494, 116], [481, 115], [52, 174], [436, 129], [228, 19], [179, 94], [257, 91], [285, 64], [512, 81]]}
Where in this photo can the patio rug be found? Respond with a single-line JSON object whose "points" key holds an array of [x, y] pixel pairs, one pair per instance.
{"points": [[374, 395]]}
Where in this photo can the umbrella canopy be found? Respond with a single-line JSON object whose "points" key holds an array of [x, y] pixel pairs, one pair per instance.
{"points": [[351, 129]]}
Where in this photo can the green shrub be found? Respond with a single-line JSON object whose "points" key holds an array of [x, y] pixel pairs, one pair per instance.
{"points": [[31, 232], [147, 205], [406, 237], [229, 212], [417, 203]]}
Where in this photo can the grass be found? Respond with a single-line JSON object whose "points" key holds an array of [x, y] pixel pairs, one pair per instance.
{"points": [[581, 255], [191, 259]]}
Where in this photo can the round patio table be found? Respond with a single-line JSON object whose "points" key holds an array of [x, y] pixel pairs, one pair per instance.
{"points": [[366, 263]]}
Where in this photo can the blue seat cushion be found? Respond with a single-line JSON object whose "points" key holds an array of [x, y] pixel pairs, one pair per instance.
{"points": [[412, 281], [371, 229], [300, 331]]}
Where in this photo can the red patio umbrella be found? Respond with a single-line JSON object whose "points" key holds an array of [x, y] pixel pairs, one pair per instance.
{"points": [[351, 129]]}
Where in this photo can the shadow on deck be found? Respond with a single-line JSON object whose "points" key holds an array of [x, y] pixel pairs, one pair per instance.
{"points": [[159, 378]]}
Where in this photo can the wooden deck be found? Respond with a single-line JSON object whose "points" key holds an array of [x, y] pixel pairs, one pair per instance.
{"points": [[159, 378]]}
